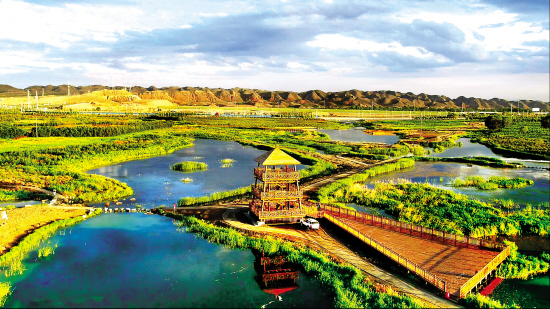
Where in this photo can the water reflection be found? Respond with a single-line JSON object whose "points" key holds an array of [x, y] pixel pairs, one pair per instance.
{"points": [[276, 275]]}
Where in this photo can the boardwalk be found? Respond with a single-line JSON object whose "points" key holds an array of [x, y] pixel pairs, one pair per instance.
{"points": [[454, 265]]}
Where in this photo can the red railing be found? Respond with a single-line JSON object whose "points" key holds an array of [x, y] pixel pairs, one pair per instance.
{"points": [[411, 229]]}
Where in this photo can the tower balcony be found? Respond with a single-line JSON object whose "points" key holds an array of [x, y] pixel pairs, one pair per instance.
{"points": [[280, 174], [277, 194]]}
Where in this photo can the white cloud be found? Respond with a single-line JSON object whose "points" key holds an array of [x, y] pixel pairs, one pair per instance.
{"points": [[339, 41]]}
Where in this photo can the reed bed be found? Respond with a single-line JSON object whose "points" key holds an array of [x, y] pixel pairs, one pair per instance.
{"points": [[493, 183], [189, 166], [479, 301], [345, 283], [5, 292], [214, 197], [520, 266]]}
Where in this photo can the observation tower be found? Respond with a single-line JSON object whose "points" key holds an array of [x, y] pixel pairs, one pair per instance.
{"points": [[276, 194]]}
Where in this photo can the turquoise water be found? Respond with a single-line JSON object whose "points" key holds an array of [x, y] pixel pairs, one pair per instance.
{"points": [[136, 260], [358, 136]]}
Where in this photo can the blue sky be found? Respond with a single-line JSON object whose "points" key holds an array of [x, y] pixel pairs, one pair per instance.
{"points": [[480, 48]]}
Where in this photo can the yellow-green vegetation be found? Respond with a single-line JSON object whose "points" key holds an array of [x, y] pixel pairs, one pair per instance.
{"points": [[444, 210], [214, 197], [493, 183], [12, 195], [189, 166], [479, 301], [186, 180], [337, 191], [520, 266], [5, 292], [523, 134], [46, 250], [63, 167], [347, 284]]}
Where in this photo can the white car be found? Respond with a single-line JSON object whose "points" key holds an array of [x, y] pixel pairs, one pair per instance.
{"points": [[310, 223]]}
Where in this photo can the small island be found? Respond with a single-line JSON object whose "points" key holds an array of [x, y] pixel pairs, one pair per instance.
{"points": [[189, 166]]}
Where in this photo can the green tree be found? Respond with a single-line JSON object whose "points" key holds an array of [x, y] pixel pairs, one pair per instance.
{"points": [[494, 122]]}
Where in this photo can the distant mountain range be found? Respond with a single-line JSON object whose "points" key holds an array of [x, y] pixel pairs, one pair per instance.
{"points": [[308, 99]]}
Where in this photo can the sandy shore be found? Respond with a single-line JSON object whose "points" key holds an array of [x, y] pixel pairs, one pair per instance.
{"points": [[23, 220]]}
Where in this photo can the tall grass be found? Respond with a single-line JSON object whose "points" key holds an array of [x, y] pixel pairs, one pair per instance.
{"points": [[214, 197], [480, 301], [189, 166], [493, 183], [479, 160], [5, 291], [520, 266], [345, 283]]}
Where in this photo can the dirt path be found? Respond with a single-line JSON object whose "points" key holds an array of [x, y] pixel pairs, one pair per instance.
{"points": [[22, 221]]}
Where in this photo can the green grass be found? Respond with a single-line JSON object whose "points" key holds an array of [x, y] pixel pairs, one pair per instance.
{"points": [[480, 301], [189, 166], [493, 183], [520, 266]]}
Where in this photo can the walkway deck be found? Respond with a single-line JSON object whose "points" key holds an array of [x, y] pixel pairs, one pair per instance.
{"points": [[454, 265]]}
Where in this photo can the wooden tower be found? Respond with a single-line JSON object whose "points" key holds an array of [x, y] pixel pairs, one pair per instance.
{"points": [[276, 194]]}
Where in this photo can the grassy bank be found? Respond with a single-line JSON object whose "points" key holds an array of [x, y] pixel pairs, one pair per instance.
{"points": [[524, 135], [345, 283], [480, 301]]}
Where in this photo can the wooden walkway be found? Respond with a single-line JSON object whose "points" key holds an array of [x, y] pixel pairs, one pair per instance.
{"points": [[455, 265]]}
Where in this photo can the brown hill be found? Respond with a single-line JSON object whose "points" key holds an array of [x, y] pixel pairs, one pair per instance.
{"points": [[353, 98]]}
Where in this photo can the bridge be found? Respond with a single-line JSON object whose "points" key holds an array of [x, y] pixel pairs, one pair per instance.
{"points": [[452, 263]]}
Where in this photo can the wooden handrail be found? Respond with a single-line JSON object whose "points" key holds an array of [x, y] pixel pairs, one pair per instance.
{"points": [[408, 228], [468, 285]]}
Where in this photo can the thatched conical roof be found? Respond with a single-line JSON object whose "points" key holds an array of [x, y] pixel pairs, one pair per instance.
{"points": [[276, 157]]}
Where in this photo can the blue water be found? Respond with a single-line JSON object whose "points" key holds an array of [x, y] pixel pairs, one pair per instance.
{"points": [[136, 260]]}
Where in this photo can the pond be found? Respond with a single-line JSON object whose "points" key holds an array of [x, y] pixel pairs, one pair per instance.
{"points": [[474, 149], [356, 135], [154, 183], [136, 260]]}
